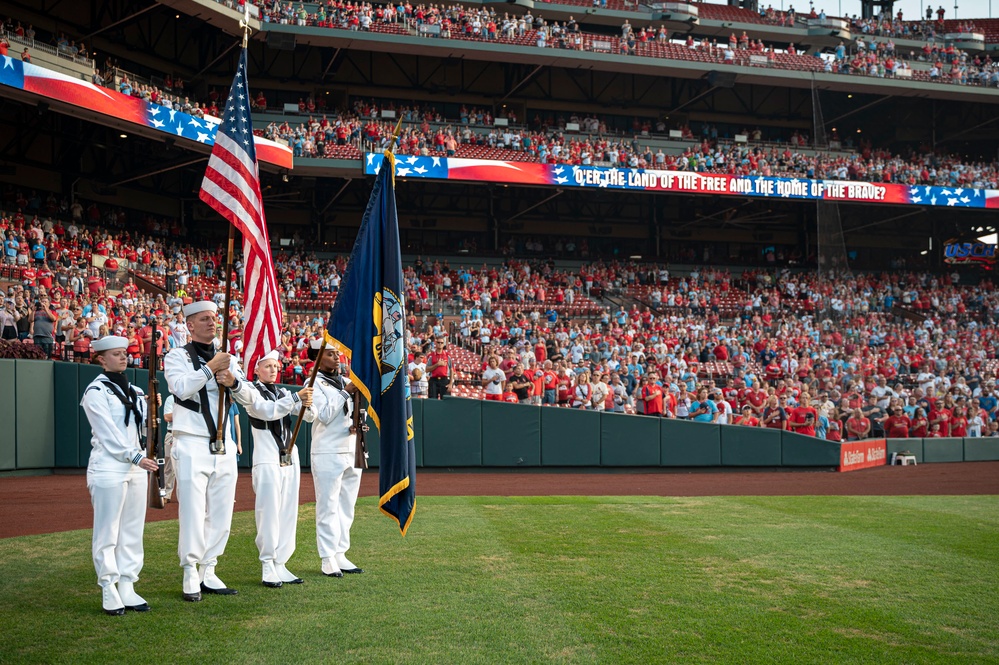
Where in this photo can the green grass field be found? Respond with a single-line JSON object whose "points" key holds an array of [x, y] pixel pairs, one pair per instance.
{"points": [[552, 580]]}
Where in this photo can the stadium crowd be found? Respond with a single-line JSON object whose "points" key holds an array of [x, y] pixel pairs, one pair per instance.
{"points": [[320, 136], [828, 356], [545, 141], [482, 23]]}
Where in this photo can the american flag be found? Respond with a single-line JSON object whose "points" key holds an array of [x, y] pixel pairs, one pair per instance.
{"points": [[232, 187]]}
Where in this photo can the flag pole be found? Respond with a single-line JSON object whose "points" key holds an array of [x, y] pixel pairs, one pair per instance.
{"points": [[218, 446], [286, 453]]}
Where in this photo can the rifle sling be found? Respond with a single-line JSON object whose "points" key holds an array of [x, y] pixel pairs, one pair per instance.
{"points": [[202, 404], [280, 429]]}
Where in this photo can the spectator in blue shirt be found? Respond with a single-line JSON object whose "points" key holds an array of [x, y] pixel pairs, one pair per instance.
{"points": [[703, 410]]}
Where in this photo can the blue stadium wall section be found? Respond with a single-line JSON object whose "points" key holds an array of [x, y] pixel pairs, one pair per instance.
{"points": [[42, 426]]}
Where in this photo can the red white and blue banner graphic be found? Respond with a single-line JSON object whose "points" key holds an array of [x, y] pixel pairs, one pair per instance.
{"points": [[55, 86], [685, 182]]}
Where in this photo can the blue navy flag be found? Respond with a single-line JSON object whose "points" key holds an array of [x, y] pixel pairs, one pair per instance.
{"points": [[368, 325]]}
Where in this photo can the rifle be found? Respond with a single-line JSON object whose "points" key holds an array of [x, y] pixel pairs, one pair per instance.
{"points": [[359, 428], [158, 482]]}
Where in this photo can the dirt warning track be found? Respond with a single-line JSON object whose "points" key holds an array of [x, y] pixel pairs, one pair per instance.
{"points": [[60, 502]]}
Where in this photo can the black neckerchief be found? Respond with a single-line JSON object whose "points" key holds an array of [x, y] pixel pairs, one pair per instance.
{"points": [[280, 429], [205, 351], [126, 395], [337, 381]]}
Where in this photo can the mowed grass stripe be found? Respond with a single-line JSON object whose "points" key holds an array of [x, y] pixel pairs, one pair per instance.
{"points": [[553, 579], [802, 567]]}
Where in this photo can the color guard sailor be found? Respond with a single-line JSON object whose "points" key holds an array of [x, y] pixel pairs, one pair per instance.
{"points": [[333, 442], [206, 482], [117, 476], [276, 487]]}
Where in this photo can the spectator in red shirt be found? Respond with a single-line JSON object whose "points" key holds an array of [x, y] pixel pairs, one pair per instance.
{"points": [[897, 425], [959, 422], [857, 426], [652, 396], [439, 366], [919, 426], [804, 416], [746, 418], [775, 416]]}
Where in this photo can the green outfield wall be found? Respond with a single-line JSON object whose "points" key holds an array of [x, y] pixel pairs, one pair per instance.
{"points": [[42, 426]]}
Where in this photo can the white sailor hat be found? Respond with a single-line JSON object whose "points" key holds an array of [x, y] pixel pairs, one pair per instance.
{"points": [[316, 344], [109, 342], [273, 354], [200, 306]]}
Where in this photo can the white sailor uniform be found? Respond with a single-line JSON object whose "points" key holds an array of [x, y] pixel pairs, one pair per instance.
{"points": [[206, 483], [276, 487], [337, 481], [117, 487]]}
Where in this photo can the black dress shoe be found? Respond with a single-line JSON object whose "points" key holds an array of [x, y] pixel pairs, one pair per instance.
{"points": [[352, 571], [224, 591], [115, 613], [336, 574], [273, 585], [193, 597], [144, 607], [297, 580]]}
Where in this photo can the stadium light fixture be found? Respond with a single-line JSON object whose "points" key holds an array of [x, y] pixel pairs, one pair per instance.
{"points": [[123, 136]]}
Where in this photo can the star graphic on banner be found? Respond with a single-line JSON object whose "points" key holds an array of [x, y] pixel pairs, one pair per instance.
{"points": [[927, 192], [371, 158], [559, 170], [158, 123], [952, 202], [413, 160], [202, 137], [946, 192], [965, 200], [976, 193], [154, 111], [402, 171], [8, 62], [419, 169], [913, 191], [172, 114], [959, 191], [916, 199], [437, 161], [378, 168], [561, 180], [933, 201], [194, 121], [180, 130], [602, 183]]}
